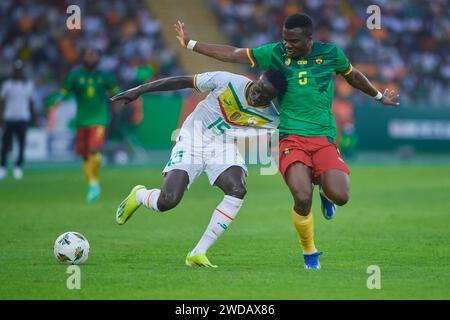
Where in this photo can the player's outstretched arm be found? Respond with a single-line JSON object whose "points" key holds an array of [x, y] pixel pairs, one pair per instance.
{"points": [[359, 81], [165, 84], [217, 51]]}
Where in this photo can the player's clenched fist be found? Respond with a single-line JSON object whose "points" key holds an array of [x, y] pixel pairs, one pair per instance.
{"points": [[182, 34]]}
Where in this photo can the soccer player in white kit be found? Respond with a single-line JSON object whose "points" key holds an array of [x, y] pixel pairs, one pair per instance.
{"points": [[206, 143]]}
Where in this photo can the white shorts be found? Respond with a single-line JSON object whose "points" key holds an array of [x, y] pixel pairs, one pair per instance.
{"points": [[213, 160]]}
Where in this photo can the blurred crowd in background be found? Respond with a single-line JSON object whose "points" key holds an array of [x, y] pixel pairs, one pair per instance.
{"points": [[124, 31], [411, 52]]}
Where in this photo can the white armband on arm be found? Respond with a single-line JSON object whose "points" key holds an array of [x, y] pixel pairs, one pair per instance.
{"points": [[191, 44], [378, 96]]}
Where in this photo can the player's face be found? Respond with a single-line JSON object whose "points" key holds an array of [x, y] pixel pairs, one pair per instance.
{"points": [[90, 59], [262, 92], [297, 41]]}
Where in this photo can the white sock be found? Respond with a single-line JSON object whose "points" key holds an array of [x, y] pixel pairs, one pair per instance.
{"points": [[148, 198], [222, 217]]}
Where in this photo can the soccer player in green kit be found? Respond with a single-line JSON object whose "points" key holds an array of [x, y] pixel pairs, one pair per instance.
{"points": [[307, 152], [91, 88]]}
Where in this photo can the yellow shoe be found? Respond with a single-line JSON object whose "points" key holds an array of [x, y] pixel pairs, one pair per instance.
{"points": [[128, 206], [198, 260]]}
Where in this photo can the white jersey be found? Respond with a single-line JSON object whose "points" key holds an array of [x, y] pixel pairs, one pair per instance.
{"points": [[225, 111], [17, 95], [206, 142]]}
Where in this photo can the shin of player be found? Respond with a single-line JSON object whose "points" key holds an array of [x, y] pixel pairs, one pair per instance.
{"points": [[89, 142], [231, 182], [299, 178]]}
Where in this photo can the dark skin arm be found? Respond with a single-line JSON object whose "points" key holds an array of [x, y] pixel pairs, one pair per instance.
{"points": [[217, 51], [359, 81], [165, 84], [239, 55]]}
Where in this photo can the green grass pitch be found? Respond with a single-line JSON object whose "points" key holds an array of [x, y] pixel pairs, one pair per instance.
{"points": [[398, 218]]}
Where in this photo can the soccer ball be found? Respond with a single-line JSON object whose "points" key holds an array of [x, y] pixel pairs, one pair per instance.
{"points": [[71, 248]]}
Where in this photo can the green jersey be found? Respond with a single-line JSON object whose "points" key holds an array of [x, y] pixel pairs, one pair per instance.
{"points": [[91, 91], [305, 107]]}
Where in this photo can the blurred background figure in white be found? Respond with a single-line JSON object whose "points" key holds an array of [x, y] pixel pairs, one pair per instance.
{"points": [[16, 112]]}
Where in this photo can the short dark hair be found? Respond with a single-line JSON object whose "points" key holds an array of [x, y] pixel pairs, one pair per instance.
{"points": [[298, 20], [276, 79]]}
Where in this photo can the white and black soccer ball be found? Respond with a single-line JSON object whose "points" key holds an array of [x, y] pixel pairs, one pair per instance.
{"points": [[71, 248]]}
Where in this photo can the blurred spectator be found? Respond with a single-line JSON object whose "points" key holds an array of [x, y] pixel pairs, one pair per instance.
{"points": [[410, 52], [15, 99]]}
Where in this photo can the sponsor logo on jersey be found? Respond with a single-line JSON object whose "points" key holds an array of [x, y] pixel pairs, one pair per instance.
{"points": [[287, 61], [235, 116], [318, 60]]}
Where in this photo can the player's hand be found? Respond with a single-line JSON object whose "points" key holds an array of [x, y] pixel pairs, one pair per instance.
{"points": [[388, 98], [182, 34], [125, 97]]}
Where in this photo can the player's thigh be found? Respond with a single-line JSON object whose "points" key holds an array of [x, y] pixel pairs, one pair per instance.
{"points": [[226, 169], [233, 182], [336, 185], [172, 190], [96, 138], [81, 142], [327, 158], [332, 173], [184, 157], [298, 178]]}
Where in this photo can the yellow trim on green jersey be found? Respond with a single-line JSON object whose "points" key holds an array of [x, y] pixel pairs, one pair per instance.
{"points": [[64, 92], [250, 57], [350, 69], [114, 90]]}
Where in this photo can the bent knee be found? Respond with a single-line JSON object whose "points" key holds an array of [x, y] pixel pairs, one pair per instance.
{"points": [[303, 202], [237, 191], [341, 198], [168, 200]]}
